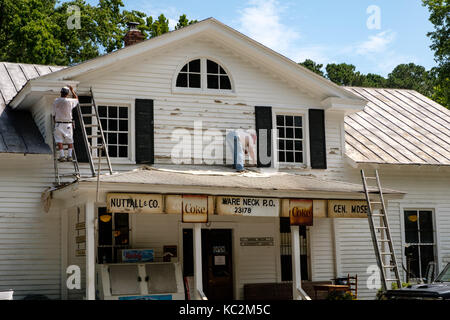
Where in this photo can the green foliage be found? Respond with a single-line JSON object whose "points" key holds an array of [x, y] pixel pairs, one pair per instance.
{"points": [[313, 66], [342, 74], [35, 31], [440, 38], [411, 76], [336, 295], [184, 22]]}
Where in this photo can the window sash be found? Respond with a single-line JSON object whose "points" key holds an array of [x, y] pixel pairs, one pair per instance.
{"points": [[106, 118], [294, 138]]}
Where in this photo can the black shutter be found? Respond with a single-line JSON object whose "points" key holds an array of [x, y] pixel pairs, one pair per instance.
{"points": [[144, 131], [263, 117], [317, 139], [78, 140]]}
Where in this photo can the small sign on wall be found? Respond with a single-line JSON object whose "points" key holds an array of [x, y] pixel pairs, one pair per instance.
{"points": [[134, 203], [347, 209], [256, 241], [301, 212], [248, 206], [195, 208]]}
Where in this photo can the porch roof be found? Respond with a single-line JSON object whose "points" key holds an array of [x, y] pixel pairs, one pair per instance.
{"points": [[215, 180]]}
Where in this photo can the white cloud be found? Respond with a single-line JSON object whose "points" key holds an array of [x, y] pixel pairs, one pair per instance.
{"points": [[376, 44], [262, 21]]}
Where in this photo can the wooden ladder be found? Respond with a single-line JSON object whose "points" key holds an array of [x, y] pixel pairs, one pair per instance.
{"points": [[379, 242]]}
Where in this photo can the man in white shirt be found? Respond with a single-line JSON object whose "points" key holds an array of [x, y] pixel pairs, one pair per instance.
{"points": [[62, 112]]}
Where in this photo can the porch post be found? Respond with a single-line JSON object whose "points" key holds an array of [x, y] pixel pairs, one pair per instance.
{"points": [[198, 281], [90, 251], [296, 271]]}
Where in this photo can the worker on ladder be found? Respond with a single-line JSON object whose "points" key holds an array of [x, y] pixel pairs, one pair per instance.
{"points": [[62, 113]]}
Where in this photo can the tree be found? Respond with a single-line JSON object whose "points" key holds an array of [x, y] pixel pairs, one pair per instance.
{"points": [[184, 22], [373, 80], [313, 66], [36, 31], [440, 37], [411, 76], [342, 74]]}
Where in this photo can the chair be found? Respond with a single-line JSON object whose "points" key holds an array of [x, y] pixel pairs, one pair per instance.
{"points": [[352, 283]]}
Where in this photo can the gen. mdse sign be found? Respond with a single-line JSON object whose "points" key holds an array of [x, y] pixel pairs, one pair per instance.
{"points": [[347, 209]]}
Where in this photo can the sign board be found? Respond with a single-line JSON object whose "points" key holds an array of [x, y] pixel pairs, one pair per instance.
{"points": [[80, 252], [80, 226], [319, 208], [134, 203], [80, 239], [257, 242], [301, 212], [137, 255], [248, 206], [194, 208], [347, 209], [173, 204]]}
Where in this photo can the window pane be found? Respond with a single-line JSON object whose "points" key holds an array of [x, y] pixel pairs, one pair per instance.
{"points": [[123, 138], [412, 258], [289, 132], [194, 66], [112, 150], [298, 121], [299, 157], [182, 80], [102, 111], [281, 132], [426, 226], [221, 70], [281, 145], [112, 112], [185, 68], [213, 82], [123, 151], [225, 83], [112, 125], [280, 120], [289, 145], [298, 146], [281, 157], [112, 138], [104, 123], [289, 157], [298, 133], [411, 234], [194, 81], [212, 67], [427, 256], [123, 112], [289, 121], [123, 125]]}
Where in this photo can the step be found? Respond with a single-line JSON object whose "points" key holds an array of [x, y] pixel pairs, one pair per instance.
{"points": [[91, 125], [98, 147], [391, 280], [85, 104], [377, 215], [89, 137], [68, 175], [389, 267], [380, 227], [386, 253], [89, 115]]}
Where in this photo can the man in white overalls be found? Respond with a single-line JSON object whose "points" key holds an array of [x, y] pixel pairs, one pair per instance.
{"points": [[62, 111], [241, 143]]}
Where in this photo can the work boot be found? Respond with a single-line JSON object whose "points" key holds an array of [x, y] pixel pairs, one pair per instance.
{"points": [[69, 159], [61, 159]]}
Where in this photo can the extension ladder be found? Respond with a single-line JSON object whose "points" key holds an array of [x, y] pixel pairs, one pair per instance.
{"points": [[381, 234]]}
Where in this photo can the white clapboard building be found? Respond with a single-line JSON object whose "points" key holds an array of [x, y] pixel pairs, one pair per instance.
{"points": [[165, 105]]}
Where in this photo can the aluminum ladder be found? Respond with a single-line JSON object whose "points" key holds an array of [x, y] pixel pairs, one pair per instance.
{"points": [[94, 137], [381, 235], [59, 176]]}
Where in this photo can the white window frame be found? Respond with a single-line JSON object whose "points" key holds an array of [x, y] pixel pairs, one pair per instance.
{"points": [[203, 90], [420, 207], [305, 133], [131, 129]]}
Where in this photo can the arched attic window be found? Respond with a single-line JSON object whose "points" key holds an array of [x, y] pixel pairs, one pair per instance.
{"points": [[203, 74]]}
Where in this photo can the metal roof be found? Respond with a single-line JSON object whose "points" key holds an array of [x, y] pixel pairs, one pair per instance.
{"points": [[398, 126], [225, 178], [18, 131]]}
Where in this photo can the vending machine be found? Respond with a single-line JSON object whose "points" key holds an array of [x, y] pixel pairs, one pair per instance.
{"points": [[140, 281]]}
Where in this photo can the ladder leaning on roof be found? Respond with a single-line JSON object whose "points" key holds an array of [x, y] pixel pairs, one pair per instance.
{"points": [[94, 140], [384, 237]]}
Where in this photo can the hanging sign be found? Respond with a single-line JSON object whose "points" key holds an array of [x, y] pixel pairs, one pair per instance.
{"points": [[301, 212], [195, 208], [347, 209], [248, 206], [134, 203], [80, 252]]}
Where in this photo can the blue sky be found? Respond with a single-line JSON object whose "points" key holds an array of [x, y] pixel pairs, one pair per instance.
{"points": [[326, 31]]}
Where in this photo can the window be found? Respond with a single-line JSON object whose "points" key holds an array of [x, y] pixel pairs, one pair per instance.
{"points": [[419, 242], [290, 138], [203, 74], [115, 124], [113, 235]]}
